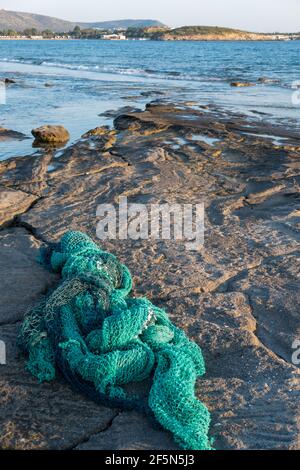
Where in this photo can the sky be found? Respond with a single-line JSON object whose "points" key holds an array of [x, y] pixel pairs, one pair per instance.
{"points": [[251, 15]]}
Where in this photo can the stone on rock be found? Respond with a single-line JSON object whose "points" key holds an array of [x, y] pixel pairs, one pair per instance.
{"points": [[241, 84], [50, 135]]}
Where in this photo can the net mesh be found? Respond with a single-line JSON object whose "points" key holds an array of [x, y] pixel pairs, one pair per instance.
{"points": [[102, 339]]}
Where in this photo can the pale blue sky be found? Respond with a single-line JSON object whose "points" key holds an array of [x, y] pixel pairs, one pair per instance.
{"points": [[255, 15]]}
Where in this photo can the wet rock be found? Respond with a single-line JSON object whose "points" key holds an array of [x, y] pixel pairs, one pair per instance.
{"points": [[191, 103], [152, 93], [9, 81], [50, 135], [102, 130], [260, 113], [7, 134], [131, 97], [133, 123], [242, 84], [266, 80], [13, 203], [104, 137], [116, 112], [23, 281], [159, 106]]}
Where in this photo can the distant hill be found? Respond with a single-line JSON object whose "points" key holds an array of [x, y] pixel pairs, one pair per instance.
{"points": [[202, 30], [124, 24], [18, 21], [208, 33]]}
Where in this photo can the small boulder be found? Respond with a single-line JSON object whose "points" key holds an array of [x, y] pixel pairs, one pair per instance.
{"points": [[266, 80], [9, 81], [241, 84], [191, 103], [7, 134], [116, 112], [152, 93], [50, 135]]}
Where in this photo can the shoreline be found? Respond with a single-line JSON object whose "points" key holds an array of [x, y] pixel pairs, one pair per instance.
{"points": [[152, 40], [247, 94]]}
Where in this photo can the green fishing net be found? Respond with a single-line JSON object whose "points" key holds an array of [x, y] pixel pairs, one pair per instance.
{"points": [[102, 340]]}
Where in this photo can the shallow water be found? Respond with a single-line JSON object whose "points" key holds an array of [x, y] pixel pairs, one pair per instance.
{"points": [[204, 138], [276, 140], [85, 78]]}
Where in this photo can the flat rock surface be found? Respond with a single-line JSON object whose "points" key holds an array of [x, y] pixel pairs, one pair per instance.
{"points": [[26, 173], [237, 296], [13, 202], [130, 431], [22, 280]]}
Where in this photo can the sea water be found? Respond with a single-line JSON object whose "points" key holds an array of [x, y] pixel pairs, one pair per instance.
{"points": [[73, 82]]}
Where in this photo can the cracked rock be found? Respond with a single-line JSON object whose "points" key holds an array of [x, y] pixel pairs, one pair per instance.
{"points": [[237, 296], [22, 280], [130, 431], [42, 416]]}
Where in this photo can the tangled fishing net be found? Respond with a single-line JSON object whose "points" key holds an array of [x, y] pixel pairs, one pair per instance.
{"points": [[102, 339]]}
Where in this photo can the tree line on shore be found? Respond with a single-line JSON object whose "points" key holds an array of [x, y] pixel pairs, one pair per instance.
{"points": [[76, 33], [87, 33]]}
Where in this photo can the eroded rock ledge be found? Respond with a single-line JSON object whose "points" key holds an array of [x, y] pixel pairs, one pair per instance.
{"points": [[237, 296]]}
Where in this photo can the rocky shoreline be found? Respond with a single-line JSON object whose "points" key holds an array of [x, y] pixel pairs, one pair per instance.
{"points": [[237, 297]]}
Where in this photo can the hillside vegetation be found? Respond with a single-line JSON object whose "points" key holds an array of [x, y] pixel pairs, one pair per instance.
{"points": [[210, 33], [19, 21], [191, 30], [200, 33]]}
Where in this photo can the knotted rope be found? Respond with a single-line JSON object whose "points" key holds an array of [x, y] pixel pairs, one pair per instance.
{"points": [[101, 340]]}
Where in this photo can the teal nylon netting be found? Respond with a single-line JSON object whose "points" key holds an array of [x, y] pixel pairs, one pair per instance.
{"points": [[102, 339]]}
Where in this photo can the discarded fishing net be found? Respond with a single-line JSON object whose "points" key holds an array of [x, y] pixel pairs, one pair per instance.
{"points": [[102, 339]]}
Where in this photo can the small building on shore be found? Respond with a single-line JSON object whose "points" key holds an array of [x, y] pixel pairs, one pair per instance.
{"points": [[38, 38], [118, 37]]}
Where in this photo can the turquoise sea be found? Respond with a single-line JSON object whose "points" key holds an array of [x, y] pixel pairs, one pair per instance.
{"points": [[74, 82]]}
